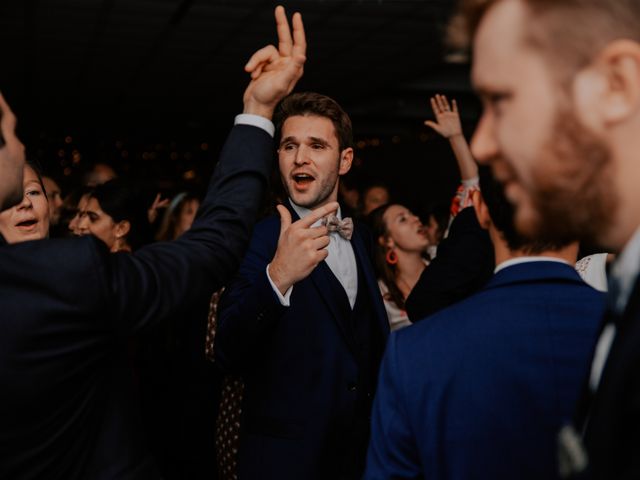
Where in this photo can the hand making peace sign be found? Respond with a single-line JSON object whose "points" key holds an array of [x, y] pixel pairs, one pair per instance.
{"points": [[274, 72]]}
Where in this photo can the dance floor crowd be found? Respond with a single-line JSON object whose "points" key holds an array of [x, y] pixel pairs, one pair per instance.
{"points": [[319, 329]]}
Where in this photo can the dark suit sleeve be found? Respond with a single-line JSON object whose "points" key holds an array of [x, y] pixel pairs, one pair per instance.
{"points": [[160, 279], [249, 308], [392, 449], [464, 263]]}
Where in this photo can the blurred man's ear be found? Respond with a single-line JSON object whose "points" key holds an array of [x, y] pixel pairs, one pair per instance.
{"points": [[607, 92], [482, 212]]}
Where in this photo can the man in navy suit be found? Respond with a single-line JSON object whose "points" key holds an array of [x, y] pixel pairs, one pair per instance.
{"points": [[479, 390], [67, 408], [560, 85], [304, 323]]}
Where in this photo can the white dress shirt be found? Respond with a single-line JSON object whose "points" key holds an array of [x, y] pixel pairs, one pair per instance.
{"points": [[341, 260], [622, 278]]}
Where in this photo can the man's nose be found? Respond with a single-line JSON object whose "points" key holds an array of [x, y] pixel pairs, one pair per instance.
{"points": [[301, 156], [484, 145]]}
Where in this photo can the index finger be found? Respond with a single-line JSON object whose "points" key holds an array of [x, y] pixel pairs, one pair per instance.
{"points": [[299, 37], [318, 213], [284, 32]]}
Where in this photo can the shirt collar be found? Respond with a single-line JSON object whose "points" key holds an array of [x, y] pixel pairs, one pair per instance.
{"points": [[624, 273], [518, 260]]}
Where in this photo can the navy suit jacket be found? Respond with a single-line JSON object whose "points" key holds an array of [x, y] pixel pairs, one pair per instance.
{"points": [[68, 308], [301, 366], [479, 390]]}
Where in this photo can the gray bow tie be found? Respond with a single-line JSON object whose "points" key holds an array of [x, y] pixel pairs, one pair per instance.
{"points": [[343, 227]]}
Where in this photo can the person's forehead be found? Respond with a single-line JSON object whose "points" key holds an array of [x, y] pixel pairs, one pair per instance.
{"points": [[395, 211], [307, 126], [93, 205], [499, 41], [30, 175]]}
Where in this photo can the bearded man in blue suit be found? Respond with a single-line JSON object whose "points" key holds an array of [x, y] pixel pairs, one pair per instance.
{"points": [[304, 323], [480, 390]]}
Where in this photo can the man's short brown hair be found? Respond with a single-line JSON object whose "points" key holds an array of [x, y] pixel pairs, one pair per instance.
{"points": [[310, 103], [571, 31]]}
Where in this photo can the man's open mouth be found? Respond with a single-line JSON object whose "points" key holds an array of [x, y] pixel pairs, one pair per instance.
{"points": [[303, 178]]}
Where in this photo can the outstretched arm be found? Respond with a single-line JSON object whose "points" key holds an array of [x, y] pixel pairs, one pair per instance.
{"points": [[448, 125]]}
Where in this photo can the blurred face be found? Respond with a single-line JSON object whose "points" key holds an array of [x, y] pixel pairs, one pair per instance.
{"points": [[555, 172], [405, 230], [54, 194], [432, 231], [93, 221], [187, 215], [311, 161], [374, 198], [350, 196], [74, 224], [29, 220]]}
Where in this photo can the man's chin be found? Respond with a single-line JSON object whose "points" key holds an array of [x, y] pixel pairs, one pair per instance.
{"points": [[305, 201]]}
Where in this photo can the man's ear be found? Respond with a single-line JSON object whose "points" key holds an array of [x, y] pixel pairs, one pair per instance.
{"points": [[482, 212], [607, 92], [122, 228], [346, 159]]}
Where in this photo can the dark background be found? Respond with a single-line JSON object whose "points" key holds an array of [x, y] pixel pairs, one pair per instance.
{"points": [[152, 86]]}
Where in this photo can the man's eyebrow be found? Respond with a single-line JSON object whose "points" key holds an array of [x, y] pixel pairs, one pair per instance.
{"points": [[319, 140], [288, 139]]}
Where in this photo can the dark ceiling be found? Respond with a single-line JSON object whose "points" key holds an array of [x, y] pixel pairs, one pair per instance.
{"points": [[179, 62], [98, 79]]}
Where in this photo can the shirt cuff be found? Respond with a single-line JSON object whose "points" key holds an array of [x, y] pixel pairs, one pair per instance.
{"points": [[469, 182], [256, 121], [285, 300]]}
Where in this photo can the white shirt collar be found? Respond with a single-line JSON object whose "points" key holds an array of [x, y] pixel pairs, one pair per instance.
{"points": [[623, 273], [518, 260]]}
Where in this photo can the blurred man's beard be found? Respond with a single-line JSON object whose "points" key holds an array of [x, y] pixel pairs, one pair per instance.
{"points": [[573, 195]]}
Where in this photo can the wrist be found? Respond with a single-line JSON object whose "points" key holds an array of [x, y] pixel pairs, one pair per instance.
{"points": [[454, 137], [278, 278], [257, 108]]}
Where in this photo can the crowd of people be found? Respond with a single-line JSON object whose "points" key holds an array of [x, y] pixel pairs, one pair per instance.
{"points": [[338, 336]]}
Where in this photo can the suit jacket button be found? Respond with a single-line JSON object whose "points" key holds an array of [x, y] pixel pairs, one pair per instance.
{"points": [[352, 386]]}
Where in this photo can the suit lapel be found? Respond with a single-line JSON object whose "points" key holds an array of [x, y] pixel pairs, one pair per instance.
{"points": [[323, 279], [364, 262]]}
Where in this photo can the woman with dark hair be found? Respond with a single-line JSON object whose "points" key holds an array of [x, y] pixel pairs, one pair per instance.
{"points": [[28, 220], [399, 258], [115, 214], [178, 217]]}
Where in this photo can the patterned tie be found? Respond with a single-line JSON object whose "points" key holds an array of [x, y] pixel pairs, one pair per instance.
{"points": [[343, 227]]}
